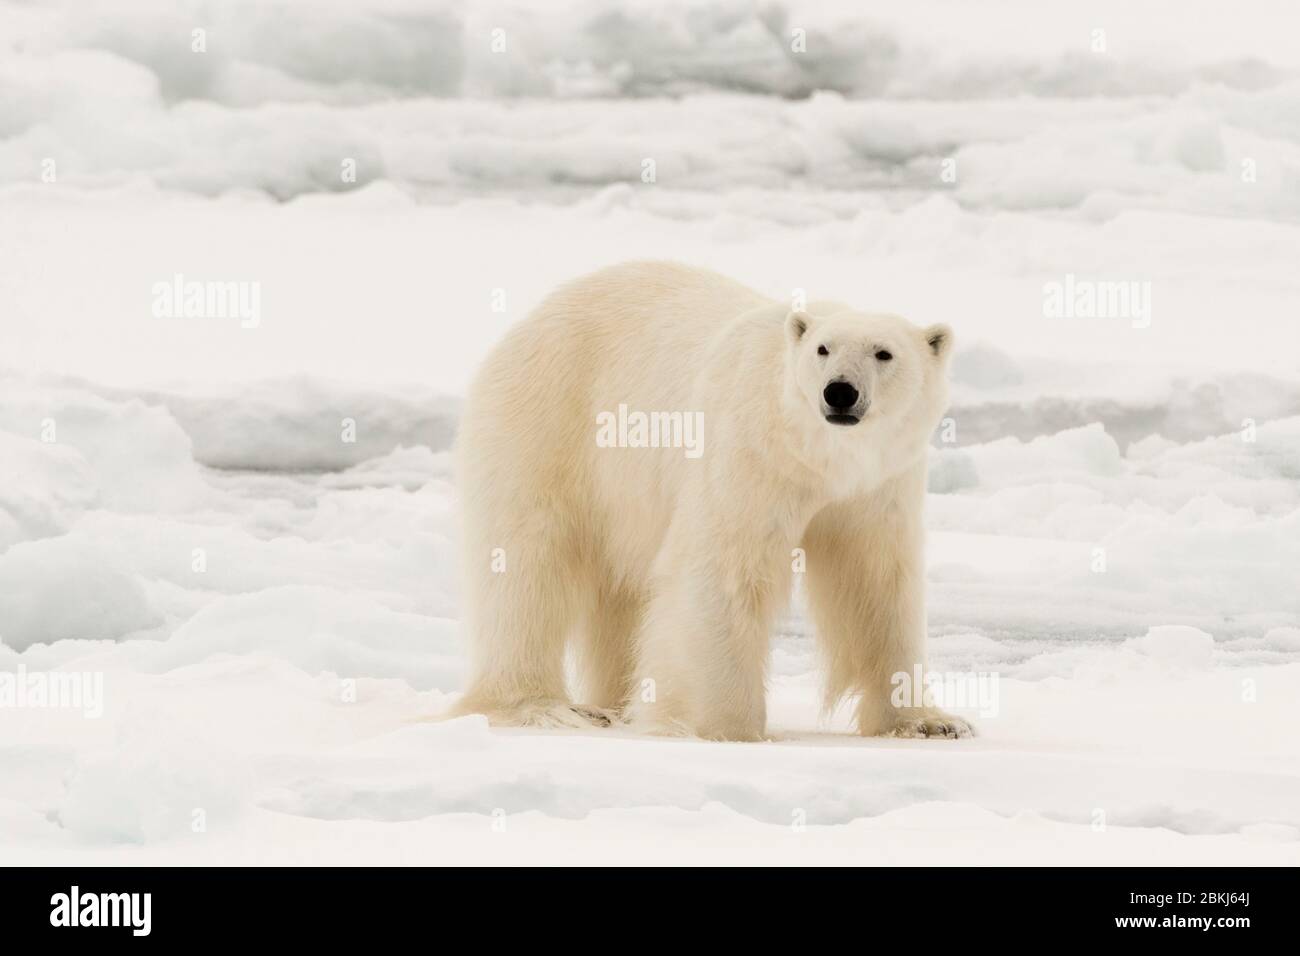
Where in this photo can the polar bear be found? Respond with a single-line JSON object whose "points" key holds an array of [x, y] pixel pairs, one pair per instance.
{"points": [[667, 566]]}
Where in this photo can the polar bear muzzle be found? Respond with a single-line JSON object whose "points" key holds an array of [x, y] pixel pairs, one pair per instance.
{"points": [[840, 403]]}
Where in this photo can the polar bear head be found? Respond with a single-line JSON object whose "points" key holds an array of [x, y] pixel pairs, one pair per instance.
{"points": [[864, 374]]}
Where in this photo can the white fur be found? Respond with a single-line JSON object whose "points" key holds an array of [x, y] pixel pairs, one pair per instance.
{"points": [[668, 571]]}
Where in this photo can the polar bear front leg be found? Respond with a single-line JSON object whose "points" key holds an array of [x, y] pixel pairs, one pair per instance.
{"points": [[866, 587]]}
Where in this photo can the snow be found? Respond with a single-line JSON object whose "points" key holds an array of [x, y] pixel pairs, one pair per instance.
{"points": [[250, 533]]}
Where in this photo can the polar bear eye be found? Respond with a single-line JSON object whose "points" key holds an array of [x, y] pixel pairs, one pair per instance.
{"points": [[884, 356], [821, 350]]}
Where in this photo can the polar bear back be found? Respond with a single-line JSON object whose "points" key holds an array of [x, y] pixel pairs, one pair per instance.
{"points": [[637, 335]]}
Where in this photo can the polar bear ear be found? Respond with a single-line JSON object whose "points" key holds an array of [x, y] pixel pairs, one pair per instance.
{"points": [[939, 338], [796, 324]]}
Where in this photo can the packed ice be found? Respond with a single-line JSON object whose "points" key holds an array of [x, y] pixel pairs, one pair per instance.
{"points": [[250, 532]]}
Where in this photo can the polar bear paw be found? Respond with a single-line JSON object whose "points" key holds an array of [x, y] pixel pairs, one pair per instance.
{"points": [[555, 714], [935, 724], [544, 714], [596, 716]]}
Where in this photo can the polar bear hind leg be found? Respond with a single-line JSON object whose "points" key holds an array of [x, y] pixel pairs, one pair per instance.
{"points": [[523, 614]]}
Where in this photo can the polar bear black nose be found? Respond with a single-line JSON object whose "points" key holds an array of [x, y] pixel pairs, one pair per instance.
{"points": [[840, 395]]}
